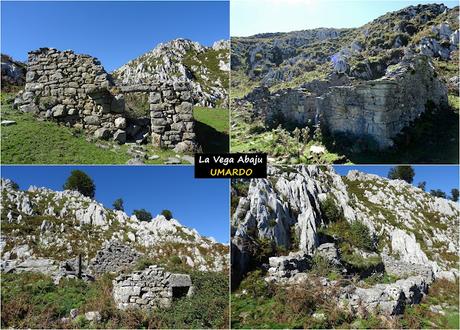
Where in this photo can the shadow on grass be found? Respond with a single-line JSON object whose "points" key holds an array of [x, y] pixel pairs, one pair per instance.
{"points": [[431, 139], [210, 139]]}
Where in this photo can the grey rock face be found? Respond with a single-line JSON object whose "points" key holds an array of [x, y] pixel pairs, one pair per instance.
{"points": [[12, 72], [150, 288], [165, 64]]}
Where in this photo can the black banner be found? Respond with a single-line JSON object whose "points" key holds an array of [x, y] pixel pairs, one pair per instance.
{"points": [[221, 166]]}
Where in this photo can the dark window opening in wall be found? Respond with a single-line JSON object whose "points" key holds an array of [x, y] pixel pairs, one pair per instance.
{"points": [[179, 291]]}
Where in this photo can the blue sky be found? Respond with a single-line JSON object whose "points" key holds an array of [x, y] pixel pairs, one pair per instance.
{"points": [[202, 204], [436, 177], [249, 17], [114, 32]]}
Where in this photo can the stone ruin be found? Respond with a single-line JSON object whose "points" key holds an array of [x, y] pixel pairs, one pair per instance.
{"points": [[378, 109], [115, 257], [150, 288], [76, 90]]}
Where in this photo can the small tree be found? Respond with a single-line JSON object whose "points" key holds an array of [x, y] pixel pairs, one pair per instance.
{"points": [[405, 173], [143, 215], [118, 205], [438, 193], [454, 194], [422, 185], [81, 182], [167, 214]]}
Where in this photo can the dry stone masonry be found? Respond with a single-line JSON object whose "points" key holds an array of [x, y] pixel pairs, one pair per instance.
{"points": [[382, 108], [76, 90], [171, 111], [150, 288], [378, 109]]}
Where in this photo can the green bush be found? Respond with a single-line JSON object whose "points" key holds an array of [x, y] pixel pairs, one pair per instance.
{"points": [[360, 236], [143, 215], [167, 214], [330, 211]]}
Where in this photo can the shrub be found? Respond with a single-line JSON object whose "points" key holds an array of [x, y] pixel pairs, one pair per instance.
{"points": [[167, 214], [81, 182], [143, 215], [403, 172], [330, 211], [118, 205], [360, 236]]}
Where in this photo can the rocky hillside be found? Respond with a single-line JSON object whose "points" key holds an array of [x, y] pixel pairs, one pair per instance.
{"points": [[363, 225], [291, 59], [206, 68], [13, 73], [40, 224]]}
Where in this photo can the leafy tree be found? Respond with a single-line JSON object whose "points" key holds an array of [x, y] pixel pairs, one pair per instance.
{"points": [[167, 214], [422, 185], [405, 173], [454, 194], [438, 193], [143, 215], [118, 205], [81, 182]]}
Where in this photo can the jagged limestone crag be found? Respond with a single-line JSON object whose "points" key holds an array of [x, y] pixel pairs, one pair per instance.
{"points": [[13, 72], [412, 235], [114, 256], [381, 108], [150, 288], [205, 69]]}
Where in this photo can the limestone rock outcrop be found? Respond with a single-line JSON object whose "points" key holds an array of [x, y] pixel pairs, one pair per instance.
{"points": [[67, 224], [13, 72], [183, 61]]}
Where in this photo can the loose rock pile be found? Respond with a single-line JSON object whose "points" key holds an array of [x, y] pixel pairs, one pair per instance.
{"points": [[114, 257], [152, 287]]}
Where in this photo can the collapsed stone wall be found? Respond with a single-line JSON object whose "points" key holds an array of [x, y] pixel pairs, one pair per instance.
{"points": [[286, 107], [379, 108], [150, 288], [171, 111], [113, 257], [382, 108], [76, 90]]}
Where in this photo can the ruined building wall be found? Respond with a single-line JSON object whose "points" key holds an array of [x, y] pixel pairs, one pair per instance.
{"points": [[382, 108], [171, 111], [152, 287], [75, 90], [378, 109], [289, 106]]}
